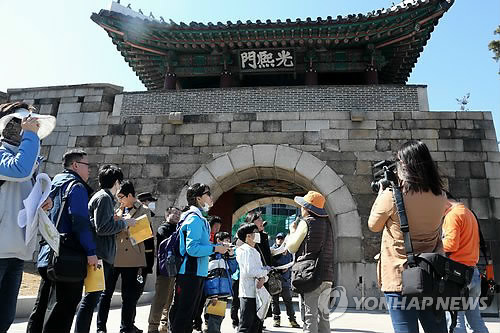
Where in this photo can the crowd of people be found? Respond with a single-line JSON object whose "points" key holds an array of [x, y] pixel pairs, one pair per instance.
{"points": [[215, 267]]}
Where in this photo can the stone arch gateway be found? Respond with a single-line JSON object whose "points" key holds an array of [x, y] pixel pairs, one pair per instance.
{"points": [[266, 161]]}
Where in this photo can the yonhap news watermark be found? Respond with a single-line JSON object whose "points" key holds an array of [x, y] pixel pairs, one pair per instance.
{"points": [[335, 302]]}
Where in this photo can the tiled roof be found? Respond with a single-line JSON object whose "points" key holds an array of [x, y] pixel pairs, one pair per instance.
{"points": [[400, 32]]}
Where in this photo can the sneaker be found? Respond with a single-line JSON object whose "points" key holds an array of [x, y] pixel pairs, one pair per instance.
{"points": [[276, 322], [294, 323], [236, 324]]}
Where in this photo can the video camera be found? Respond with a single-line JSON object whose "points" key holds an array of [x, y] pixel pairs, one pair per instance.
{"points": [[383, 175]]}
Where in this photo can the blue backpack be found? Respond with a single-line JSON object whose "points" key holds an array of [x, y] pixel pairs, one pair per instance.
{"points": [[169, 252]]}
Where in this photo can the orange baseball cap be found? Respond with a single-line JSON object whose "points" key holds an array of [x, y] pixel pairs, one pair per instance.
{"points": [[314, 202]]}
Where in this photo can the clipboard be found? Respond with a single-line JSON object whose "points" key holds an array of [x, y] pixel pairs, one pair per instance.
{"points": [[218, 309], [140, 231]]}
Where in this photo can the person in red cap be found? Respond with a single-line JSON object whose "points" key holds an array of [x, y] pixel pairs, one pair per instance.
{"points": [[313, 238]]}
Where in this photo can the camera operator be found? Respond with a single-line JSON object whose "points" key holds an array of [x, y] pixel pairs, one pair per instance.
{"points": [[425, 204]]}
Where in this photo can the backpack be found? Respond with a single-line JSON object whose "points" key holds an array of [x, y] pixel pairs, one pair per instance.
{"points": [[169, 252]]}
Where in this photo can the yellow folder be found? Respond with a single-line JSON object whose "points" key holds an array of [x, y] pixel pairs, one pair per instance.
{"points": [[218, 309], [95, 278], [140, 231]]}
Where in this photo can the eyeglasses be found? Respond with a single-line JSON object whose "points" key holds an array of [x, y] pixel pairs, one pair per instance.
{"points": [[207, 193], [87, 164], [120, 197]]}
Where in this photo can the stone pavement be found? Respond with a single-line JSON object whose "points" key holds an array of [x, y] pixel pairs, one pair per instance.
{"points": [[352, 321]]}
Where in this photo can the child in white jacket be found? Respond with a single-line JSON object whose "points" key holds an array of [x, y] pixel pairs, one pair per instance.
{"points": [[252, 277]]}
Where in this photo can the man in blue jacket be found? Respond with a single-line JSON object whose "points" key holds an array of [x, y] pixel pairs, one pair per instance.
{"points": [[57, 301], [21, 131], [195, 247]]}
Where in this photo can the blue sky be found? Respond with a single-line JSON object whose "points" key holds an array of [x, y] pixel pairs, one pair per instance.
{"points": [[54, 42]]}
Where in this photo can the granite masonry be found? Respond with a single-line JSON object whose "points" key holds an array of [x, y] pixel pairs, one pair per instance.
{"points": [[324, 138]]}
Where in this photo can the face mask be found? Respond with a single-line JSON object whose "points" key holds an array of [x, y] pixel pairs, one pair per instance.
{"points": [[256, 238], [152, 206], [206, 207]]}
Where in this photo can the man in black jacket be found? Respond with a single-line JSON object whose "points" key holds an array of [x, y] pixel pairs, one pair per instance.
{"points": [[164, 287]]}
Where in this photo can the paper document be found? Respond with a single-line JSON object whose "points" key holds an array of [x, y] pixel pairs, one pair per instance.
{"points": [[48, 231], [219, 309], [95, 278], [28, 216], [140, 231]]}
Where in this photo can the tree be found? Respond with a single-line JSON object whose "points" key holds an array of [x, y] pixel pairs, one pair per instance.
{"points": [[494, 46]]}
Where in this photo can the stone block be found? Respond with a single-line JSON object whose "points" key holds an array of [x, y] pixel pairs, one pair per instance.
{"points": [[272, 126], [72, 142], [362, 134], [394, 134], [152, 171], [256, 126], [50, 140], [493, 157], [114, 159], [240, 126], [466, 156], [424, 134], [215, 139], [154, 150], [167, 129], [68, 108], [433, 115], [175, 118], [99, 130], [403, 115], [155, 140], [278, 116], [308, 148], [348, 224], [221, 167], [88, 99], [348, 124], [242, 158], [309, 166], [325, 115], [247, 175], [247, 116], [134, 159], [431, 144], [69, 119], [106, 141], [95, 107], [312, 138], [131, 140], [489, 145], [440, 156], [186, 140], [341, 201], [424, 124], [481, 206], [118, 140], [196, 128], [172, 140], [479, 187], [450, 145], [383, 145], [373, 155], [73, 99], [264, 155], [76, 130], [223, 127], [142, 140], [327, 181], [349, 249], [218, 117], [90, 118], [464, 124], [286, 157], [492, 169], [477, 170], [56, 153], [462, 169], [470, 115], [152, 129], [132, 129], [200, 140], [357, 145], [378, 115], [293, 125], [459, 187], [495, 208], [316, 125], [107, 150], [182, 170], [447, 123], [334, 134], [447, 168], [472, 145], [358, 184]]}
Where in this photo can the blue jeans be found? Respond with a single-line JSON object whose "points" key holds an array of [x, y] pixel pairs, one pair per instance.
{"points": [[89, 303], [213, 323], [11, 275], [473, 315], [405, 320]]}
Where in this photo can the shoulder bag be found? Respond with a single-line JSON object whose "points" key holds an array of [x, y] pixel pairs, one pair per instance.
{"points": [[70, 265]]}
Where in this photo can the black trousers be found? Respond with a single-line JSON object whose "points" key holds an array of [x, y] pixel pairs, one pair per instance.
{"points": [[35, 321], [235, 303], [249, 322], [130, 291], [188, 293], [61, 308], [286, 294]]}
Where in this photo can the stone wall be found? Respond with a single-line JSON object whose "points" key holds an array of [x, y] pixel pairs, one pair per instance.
{"points": [[339, 126], [3, 97]]}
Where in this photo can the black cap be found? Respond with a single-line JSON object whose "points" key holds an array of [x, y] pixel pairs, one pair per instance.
{"points": [[146, 196]]}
